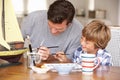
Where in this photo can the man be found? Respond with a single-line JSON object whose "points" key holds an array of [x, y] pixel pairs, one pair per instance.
{"points": [[53, 28]]}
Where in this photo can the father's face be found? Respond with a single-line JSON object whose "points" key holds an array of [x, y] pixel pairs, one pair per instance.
{"points": [[56, 28]]}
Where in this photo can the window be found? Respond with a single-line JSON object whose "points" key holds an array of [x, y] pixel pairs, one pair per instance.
{"points": [[27, 6], [19, 8], [36, 5]]}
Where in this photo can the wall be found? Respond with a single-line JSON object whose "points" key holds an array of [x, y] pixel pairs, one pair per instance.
{"points": [[111, 7]]}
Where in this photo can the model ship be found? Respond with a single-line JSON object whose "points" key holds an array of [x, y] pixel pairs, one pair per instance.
{"points": [[11, 40]]}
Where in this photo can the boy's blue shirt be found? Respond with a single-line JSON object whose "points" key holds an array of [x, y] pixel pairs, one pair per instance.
{"points": [[102, 54]]}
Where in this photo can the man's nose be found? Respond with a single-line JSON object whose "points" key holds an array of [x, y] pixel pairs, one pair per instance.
{"points": [[53, 30]]}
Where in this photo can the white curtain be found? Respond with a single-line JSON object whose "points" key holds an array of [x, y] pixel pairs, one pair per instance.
{"points": [[34, 5], [27, 6], [18, 6]]}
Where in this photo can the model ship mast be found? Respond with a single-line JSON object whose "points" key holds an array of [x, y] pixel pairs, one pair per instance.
{"points": [[3, 19]]}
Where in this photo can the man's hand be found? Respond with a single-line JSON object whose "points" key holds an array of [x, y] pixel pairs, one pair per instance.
{"points": [[61, 57], [44, 52]]}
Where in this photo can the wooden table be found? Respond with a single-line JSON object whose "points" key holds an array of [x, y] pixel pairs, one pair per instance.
{"points": [[21, 72]]}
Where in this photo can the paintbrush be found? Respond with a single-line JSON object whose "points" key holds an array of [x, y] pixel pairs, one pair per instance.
{"points": [[53, 47], [61, 54]]}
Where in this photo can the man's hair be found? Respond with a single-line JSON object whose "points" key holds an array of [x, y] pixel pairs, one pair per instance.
{"points": [[97, 32], [61, 10]]}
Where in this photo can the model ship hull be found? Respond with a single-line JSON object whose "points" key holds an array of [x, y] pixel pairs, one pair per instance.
{"points": [[11, 58], [14, 54]]}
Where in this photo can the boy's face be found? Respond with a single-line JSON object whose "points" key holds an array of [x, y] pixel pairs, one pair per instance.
{"points": [[88, 46]]}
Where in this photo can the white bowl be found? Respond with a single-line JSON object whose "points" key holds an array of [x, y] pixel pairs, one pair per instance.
{"points": [[63, 68], [40, 70]]}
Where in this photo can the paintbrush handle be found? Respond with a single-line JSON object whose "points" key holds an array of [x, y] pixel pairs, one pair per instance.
{"points": [[53, 47], [61, 54]]}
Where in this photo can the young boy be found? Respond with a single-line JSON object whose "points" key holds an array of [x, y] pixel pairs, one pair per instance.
{"points": [[95, 37]]}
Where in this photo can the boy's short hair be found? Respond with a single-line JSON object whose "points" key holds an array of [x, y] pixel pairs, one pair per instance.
{"points": [[61, 10], [97, 32]]}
